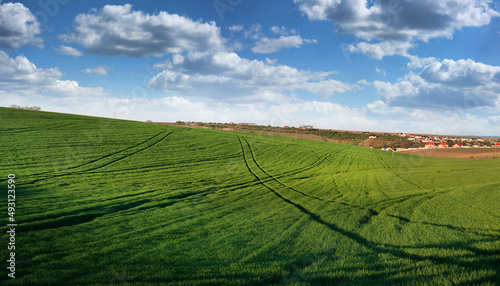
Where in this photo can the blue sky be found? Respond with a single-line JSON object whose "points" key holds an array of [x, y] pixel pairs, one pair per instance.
{"points": [[385, 65]]}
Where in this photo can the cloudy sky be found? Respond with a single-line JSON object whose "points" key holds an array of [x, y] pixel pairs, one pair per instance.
{"points": [[387, 65]]}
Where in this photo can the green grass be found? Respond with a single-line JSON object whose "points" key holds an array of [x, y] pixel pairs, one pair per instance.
{"points": [[101, 201]]}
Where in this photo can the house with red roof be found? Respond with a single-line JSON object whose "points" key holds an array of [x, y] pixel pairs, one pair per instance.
{"points": [[497, 145], [443, 145], [430, 145], [457, 145]]}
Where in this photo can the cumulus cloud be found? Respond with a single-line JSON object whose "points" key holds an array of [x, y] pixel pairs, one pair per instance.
{"points": [[100, 70], [421, 120], [271, 45], [447, 84], [18, 26], [399, 20], [380, 50], [19, 75], [288, 38], [68, 51], [226, 75], [119, 31], [417, 62]]}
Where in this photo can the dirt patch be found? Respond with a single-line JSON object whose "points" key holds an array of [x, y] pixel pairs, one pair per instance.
{"points": [[463, 153]]}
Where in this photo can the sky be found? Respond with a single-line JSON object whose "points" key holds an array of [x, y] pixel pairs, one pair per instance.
{"points": [[409, 66]]}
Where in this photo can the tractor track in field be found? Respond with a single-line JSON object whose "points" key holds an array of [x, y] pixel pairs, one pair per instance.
{"points": [[370, 211], [398, 251], [272, 243], [431, 194], [109, 156], [273, 178], [379, 185], [89, 214], [318, 162], [463, 230], [34, 129], [365, 219], [118, 152], [173, 165], [390, 170], [99, 159]]}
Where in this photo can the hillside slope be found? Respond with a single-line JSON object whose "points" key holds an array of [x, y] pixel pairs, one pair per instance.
{"points": [[102, 201]]}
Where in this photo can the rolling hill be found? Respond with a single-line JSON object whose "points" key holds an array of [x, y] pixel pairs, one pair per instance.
{"points": [[103, 201]]}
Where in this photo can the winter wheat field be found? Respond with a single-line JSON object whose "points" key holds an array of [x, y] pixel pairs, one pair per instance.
{"points": [[103, 201]]}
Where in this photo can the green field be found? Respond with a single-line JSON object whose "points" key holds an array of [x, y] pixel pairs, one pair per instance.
{"points": [[102, 201]]}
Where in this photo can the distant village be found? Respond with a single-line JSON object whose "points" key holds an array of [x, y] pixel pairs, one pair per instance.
{"points": [[426, 141], [376, 140], [431, 142]]}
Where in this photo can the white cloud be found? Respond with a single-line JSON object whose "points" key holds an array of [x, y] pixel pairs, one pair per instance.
{"points": [[20, 76], [271, 45], [288, 38], [376, 116], [494, 120], [363, 82], [416, 62], [446, 85], [461, 73], [118, 31], [254, 32], [100, 70], [283, 31], [19, 73], [69, 51], [227, 76], [236, 28], [327, 88], [380, 71], [383, 49], [399, 20], [70, 87], [18, 26]]}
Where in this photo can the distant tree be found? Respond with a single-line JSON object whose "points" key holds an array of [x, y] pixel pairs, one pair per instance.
{"points": [[37, 108]]}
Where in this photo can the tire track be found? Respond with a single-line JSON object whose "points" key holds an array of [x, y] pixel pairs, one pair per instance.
{"points": [[427, 195], [397, 251], [318, 162], [390, 170], [118, 152], [364, 219], [99, 159], [273, 178], [173, 165], [110, 156]]}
